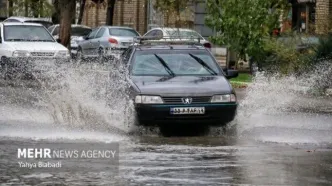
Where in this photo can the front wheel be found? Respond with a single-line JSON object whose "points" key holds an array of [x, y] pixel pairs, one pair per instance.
{"points": [[79, 57]]}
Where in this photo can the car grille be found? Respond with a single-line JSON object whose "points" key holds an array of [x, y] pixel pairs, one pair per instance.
{"points": [[42, 54], [178, 100]]}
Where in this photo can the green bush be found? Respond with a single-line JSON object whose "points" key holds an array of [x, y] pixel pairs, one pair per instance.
{"points": [[283, 55]]}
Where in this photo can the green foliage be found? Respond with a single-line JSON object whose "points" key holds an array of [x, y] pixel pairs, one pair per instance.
{"points": [[283, 55], [324, 49], [241, 25], [31, 8]]}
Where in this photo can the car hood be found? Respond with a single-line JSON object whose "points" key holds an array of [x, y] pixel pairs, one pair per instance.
{"points": [[37, 46], [182, 85]]}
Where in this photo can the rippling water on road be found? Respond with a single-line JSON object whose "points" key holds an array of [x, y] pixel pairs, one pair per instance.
{"points": [[280, 136]]}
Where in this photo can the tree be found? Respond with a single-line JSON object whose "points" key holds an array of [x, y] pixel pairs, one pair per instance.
{"points": [[172, 6], [110, 12], [82, 8], [242, 25], [66, 15]]}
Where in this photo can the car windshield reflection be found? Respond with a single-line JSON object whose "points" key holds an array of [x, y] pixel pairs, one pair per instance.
{"points": [[179, 63]]}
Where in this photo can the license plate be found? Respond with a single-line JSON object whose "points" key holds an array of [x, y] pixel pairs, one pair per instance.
{"points": [[188, 110]]}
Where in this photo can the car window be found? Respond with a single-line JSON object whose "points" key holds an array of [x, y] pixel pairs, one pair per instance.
{"points": [[26, 33], [184, 34], [80, 31], [50, 29], [151, 33], [100, 33], [179, 61], [158, 33], [123, 32], [93, 33]]}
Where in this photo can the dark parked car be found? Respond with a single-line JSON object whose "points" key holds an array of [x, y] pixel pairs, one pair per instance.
{"points": [[178, 83]]}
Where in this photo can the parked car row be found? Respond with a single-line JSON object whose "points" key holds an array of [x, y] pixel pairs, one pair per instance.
{"points": [[105, 42]]}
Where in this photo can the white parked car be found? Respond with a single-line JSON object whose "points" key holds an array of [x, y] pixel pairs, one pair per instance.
{"points": [[29, 46], [44, 21], [177, 34]]}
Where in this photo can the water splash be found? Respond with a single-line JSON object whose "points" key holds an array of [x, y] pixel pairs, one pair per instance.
{"points": [[87, 96], [275, 105]]}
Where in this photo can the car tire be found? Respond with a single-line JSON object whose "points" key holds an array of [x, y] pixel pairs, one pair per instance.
{"points": [[79, 57], [101, 56], [6, 70]]}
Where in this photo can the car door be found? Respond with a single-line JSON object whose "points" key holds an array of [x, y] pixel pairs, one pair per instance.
{"points": [[96, 42], [86, 44]]}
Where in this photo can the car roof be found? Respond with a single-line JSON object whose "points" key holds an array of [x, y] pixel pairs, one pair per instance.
{"points": [[22, 19], [170, 47], [126, 27], [76, 25], [19, 23]]}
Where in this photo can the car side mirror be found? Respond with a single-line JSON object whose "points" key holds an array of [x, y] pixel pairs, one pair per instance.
{"points": [[85, 37], [231, 73], [58, 40]]}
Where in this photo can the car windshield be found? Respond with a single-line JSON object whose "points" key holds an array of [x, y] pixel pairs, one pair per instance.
{"points": [[184, 34], [75, 31], [174, 63], [123, 32], [26, 33]]}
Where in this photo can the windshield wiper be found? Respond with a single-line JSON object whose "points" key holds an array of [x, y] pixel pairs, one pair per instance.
{"points": [[165, 65], [200, 61]]}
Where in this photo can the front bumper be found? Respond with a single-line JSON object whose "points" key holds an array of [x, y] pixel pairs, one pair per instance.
{"points": [[20, 64], [215, 114], [114, 52]]}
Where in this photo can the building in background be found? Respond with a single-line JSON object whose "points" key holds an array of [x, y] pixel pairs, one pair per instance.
{"points": [[309, 16]]}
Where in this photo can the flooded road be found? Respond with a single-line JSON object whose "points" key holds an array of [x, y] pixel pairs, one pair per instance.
{"points": [[263, 146]]}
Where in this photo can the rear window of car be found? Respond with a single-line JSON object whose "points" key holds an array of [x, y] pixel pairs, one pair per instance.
{"points": [[181, 63], [75, 31], [125, 32], [184, 34]]}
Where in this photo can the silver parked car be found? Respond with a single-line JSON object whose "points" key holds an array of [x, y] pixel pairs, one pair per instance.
{"points": [[78, 32], [177, 34], [44, 21], [106, 42]]}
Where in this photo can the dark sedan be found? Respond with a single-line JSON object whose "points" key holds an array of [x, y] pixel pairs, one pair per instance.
{"points": [[175, 84]]}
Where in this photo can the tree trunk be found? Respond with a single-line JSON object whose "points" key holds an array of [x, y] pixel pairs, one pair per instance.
{"points": [[56, 14], [110, 12], [66, 11], [35, 7], [11, 6], [41, 8], [26, 8], [82, 8]]}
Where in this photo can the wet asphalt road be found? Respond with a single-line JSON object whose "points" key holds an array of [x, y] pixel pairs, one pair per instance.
{"points": [[280, 148]]}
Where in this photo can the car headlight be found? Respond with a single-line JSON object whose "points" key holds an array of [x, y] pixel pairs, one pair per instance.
{"points": [[63, 54], [223, 98], [148, 99], [21, 53]]}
